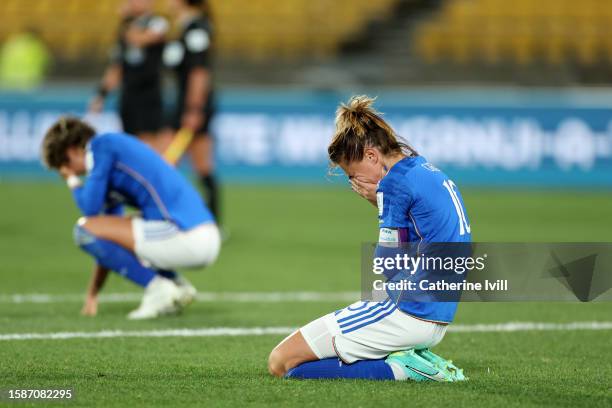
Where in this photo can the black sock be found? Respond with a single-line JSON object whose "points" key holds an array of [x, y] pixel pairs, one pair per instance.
{"points": [[167, 274], [211, 191]]}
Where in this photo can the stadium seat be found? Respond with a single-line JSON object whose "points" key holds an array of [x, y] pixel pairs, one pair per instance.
{"points": [[520, 32], [253, 30]]}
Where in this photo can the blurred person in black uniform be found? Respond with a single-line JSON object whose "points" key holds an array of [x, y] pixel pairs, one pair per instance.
{"points": [[136, 67], [190, 57]]}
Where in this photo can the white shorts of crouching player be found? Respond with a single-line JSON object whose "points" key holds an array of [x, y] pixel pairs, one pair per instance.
{"points": [[369, 331], [162, 245]]}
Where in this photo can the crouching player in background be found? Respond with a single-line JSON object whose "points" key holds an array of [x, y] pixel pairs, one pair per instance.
{"points": [[387, 340], [174, 229]]}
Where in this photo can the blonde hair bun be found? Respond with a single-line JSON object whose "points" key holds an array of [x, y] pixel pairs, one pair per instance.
{"points": [[358, 126]]}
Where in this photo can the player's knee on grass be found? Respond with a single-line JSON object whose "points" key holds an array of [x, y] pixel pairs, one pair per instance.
{"points": [[279, 362], [275, 364], [290, 353]]}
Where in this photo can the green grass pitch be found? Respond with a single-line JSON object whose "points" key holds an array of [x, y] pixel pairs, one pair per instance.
{"points": [[289, 239]]}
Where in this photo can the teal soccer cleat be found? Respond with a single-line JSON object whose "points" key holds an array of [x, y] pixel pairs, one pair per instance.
{"points": [[416, 367], [451, 372]]}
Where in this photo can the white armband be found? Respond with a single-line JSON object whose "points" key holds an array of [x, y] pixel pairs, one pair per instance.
{"points": [[388, 235]]}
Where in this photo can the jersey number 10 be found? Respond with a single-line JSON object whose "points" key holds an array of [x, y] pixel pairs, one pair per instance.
{"points": [[463, 223]]}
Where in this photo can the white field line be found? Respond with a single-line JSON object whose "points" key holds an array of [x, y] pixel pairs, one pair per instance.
{"points": [[261, 331], [105, 334], [244, 297]]}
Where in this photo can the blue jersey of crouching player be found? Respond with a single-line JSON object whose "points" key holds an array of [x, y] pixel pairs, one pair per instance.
{"points": [[122, 170], [417, 203]]}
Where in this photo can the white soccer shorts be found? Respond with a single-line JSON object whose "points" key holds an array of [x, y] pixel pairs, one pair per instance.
{"points": [[161, 244], [369, 331]]}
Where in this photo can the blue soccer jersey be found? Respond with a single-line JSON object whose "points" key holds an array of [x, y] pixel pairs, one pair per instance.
{"points": [[123, 170], [418, 203]]}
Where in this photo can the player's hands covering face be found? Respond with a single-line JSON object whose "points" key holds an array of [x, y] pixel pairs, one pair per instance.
{"points": [[65, 171], [365, 188]]}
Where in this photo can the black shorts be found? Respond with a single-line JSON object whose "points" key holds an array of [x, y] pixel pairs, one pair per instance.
{"points": [[141, 117], [204, 130]]}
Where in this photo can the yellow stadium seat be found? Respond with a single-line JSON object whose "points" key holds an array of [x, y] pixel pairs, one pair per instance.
{"points": [[522, 31], [255, 29]]}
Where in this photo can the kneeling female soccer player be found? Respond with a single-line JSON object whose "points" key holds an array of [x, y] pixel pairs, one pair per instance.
{"points": [[416, 202], [173, 230]]}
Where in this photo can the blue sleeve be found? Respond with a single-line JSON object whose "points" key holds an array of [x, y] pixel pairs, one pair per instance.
{"points": [[90, 197], [394, 202]]}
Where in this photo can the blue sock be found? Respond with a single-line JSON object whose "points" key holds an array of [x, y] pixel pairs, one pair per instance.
{"points": [[114, 257], [335, 368]]}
